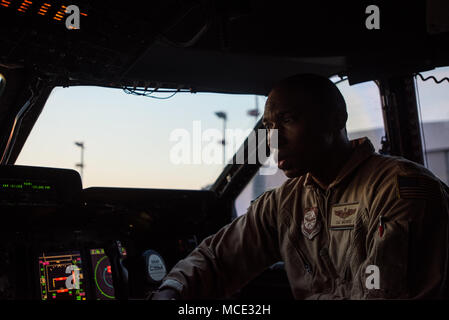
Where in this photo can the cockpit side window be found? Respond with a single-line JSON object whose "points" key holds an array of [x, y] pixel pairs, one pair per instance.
{"points": [[433, 103]]}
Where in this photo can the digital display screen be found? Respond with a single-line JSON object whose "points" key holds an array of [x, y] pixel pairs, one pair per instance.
{"points": [[61, 276], [104, 288], [27, 192]]}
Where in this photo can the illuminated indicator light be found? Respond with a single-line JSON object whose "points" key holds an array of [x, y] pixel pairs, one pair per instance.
{"points": [[58, 15], [83, 14], [42, 14], [5, 5], [62, 290]]}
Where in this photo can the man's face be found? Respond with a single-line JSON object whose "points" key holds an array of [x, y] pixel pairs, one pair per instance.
{"points": [[302, 137]]}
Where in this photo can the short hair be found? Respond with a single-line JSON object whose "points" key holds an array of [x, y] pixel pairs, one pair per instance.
{"points": [[324, 91]]}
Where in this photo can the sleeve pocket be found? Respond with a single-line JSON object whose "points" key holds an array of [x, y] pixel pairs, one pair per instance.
{"points": [[390, 255]]}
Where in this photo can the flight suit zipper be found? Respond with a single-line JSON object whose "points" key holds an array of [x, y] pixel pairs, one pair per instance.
{"points": [[306, 263], [324, 252]]}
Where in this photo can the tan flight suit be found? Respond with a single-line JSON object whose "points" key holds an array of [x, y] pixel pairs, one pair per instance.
{"points": [[380, 211]]}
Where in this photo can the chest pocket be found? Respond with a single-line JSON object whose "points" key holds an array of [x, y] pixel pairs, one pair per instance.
{"points": [[346, 237]]}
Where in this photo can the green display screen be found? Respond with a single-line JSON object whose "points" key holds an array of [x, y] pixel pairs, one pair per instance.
{"points": [[27, 192]]}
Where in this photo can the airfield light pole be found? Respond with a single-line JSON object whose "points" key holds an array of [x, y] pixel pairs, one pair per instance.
{"points": [[222, 115], [81, 164]]}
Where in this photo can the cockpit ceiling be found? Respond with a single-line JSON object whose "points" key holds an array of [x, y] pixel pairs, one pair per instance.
{"points": [[225, 72], [239, 46]]}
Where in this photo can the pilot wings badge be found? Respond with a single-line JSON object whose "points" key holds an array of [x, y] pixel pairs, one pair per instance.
{"points": [[310, 225], [344, 216]]}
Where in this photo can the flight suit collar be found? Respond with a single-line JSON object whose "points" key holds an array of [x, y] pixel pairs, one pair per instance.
{"points": [[362, 150]]}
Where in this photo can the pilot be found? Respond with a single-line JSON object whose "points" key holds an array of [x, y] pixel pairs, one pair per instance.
{"points": [[348, 223]]}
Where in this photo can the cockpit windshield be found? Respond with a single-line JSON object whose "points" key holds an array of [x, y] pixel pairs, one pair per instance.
{"points": [[118, 139]]}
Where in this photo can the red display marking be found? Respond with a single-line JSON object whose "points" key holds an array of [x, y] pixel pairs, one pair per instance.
{"points": [[62, 290], [109, 269], [60, 279]]}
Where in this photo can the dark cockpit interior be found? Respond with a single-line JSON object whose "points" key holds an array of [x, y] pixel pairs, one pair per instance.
{"points": [[59, 240]]}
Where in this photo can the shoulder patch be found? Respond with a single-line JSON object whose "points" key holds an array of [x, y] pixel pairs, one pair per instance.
{"points": [[418, 187]]}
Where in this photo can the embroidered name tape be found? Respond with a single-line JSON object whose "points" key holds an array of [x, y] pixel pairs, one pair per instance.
{"points": [[344, 216]]}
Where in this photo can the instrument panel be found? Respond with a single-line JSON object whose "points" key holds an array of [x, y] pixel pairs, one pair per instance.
{"points": [[60, 242], [87, 274]]}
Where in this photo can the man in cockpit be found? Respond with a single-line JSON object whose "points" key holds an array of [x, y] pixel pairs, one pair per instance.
{"points": [[348, 223]]}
